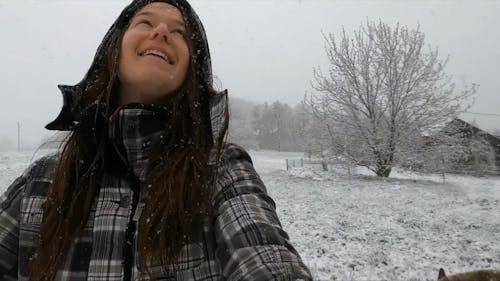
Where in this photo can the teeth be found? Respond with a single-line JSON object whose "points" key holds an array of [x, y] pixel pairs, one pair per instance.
{"points": [[156, 53]]}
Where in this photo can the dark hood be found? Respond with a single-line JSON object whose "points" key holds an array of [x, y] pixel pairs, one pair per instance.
{"points": [[74, 110]]}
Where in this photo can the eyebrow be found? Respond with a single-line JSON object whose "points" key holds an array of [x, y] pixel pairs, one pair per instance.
{"points": [[148, 13]]}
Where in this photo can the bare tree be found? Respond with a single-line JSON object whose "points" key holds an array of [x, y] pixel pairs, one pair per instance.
{"points": [[383, 90]]}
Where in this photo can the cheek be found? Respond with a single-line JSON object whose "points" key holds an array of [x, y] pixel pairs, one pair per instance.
{"points": [[127, 52], [184, 71], [129, 44], [123, 61], [186, 59]]}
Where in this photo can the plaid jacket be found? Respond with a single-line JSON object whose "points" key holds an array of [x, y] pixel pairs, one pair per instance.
{"points": [[243, 241]]}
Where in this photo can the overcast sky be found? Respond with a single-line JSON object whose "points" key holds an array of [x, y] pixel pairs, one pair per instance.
{"points": [[262, 50]]}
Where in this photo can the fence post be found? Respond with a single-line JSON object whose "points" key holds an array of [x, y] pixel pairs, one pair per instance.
{"points": [[301, 163], [325, 165], [287, 164]]}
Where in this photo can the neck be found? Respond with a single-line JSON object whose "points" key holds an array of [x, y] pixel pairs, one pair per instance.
{"points": [[146, 95], [128, 94]]}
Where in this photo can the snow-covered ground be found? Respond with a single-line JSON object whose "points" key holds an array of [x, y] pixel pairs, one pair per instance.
{"points": [[13, 163], [365, 228]]}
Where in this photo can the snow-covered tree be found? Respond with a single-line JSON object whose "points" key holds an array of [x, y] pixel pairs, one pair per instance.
{"points": [[443, 153], [264, 126], [496, 132], [274, 126], [300, 124], [241, 129], [481, 157], [384, 90]]}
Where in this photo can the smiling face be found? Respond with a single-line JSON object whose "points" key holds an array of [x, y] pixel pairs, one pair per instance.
{"points": [[154, 55]]}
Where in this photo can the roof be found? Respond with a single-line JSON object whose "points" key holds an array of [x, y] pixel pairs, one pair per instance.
{"points": [[486, 122]]}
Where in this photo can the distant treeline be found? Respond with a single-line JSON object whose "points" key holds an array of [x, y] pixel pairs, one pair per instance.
{"points": [[276, 126]]}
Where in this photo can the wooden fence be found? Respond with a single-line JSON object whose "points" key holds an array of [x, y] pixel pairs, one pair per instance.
{"points": [[292, 163]]}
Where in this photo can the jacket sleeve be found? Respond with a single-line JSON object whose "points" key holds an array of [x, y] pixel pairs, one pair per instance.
{"points": [[10, 204], [251, 244]]}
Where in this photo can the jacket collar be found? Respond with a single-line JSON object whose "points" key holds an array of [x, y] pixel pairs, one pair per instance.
{"points": [[137, 129], [141, 128]]}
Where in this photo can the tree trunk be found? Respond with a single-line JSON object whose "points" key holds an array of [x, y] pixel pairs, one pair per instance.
{"points": [[383, 166], [384, 171]]}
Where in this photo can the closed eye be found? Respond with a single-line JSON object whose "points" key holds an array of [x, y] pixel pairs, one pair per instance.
{"points": [[179, 31], [146, 22]]}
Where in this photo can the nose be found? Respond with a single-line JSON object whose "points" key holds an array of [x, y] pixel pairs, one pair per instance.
{"points": [[161, 31]]}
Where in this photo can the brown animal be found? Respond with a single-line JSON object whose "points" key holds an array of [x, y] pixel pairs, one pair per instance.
{"points": [[480, 275]]}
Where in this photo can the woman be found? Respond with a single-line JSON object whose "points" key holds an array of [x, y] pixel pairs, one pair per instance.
{"points": [[145, 187]]}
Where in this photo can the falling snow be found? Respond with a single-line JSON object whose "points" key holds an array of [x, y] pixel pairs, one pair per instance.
{"points": [[365, 228]]}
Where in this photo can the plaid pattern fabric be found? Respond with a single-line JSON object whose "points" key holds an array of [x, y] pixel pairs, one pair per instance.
{"points": [[243, 241]]}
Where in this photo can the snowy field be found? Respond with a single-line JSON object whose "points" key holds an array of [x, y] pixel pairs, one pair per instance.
{"points": [[365, 228]]}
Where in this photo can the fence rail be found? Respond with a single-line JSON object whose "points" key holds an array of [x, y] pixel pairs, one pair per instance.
{"points": [[293, 163]]}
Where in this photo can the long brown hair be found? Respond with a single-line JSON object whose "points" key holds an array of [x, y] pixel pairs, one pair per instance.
{"points": [[177, 188]]}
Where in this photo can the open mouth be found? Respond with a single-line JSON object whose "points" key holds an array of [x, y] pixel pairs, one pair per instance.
{"points": [[156, 53]]}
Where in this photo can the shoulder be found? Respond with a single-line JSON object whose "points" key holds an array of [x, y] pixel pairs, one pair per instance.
{"points": [[234, 153], [236, 162], [39, 174], [236, 174], [42, 168], [24, 185]]}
